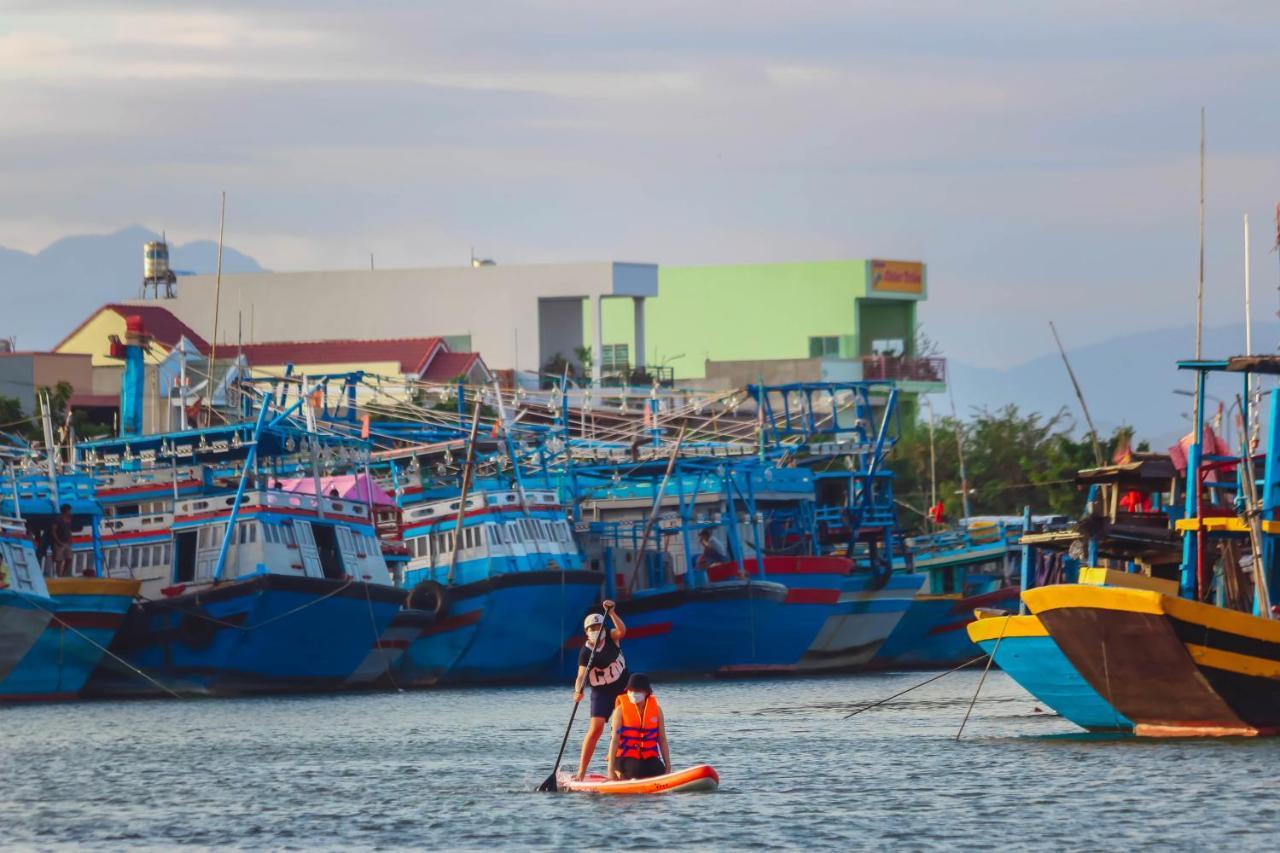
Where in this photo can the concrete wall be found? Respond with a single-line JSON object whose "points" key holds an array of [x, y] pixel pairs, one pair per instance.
{"points": [[497, 306], [560, 328], [16, 380], [742, 312], [758, 312], [22, 373], [778, 371]]}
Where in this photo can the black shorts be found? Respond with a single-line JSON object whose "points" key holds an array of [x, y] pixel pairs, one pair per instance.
{"points": [[641, 768], [603, 698]]}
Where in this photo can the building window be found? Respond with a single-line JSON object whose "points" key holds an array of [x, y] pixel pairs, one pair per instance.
{"points": [[892, 347], [614, 357], [824, 346]]}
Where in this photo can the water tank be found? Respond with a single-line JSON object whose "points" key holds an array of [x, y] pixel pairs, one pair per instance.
{"points": [[155, 261]]}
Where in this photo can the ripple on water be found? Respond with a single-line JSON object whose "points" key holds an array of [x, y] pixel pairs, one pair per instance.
{"points": [[455, 768]]}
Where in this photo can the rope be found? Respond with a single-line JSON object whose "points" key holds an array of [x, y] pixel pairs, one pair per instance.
{"points": [[373, 623], [98, 645], [991, 658], [909, 689], [222, 623]]}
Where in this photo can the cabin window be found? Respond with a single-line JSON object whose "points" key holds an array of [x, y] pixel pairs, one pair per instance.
{"points": [[286, 533], [144, 557]]}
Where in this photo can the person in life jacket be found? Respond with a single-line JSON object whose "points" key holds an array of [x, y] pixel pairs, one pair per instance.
{"points": [[605, 671], [639, 747]]}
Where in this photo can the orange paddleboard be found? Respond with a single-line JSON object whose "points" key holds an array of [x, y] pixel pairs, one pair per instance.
{"points": [[700, 777]]}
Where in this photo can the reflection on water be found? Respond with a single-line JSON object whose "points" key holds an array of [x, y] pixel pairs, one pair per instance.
{"points": [[457, 768]]}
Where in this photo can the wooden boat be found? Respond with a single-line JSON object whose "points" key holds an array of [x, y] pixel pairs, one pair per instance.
{"points": [[1023, 648], [1173, 666]]}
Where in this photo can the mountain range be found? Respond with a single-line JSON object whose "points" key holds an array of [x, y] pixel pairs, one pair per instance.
{"points": [[1132, 380], [49, 293], [1127, 380]]}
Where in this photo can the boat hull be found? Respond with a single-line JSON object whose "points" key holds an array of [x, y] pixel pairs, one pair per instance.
{"points": [[1174, 667], [868, 613], [522, 620], [932, 633], [380, 664], [261, 634], [87, 614], [1023, 648], [22, 623], [720, 628]]}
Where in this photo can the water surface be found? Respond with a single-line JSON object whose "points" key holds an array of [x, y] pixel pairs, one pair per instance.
{"points": [[455, 768]]}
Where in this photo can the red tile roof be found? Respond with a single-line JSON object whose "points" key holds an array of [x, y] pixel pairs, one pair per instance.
{"points": [[411, 353], [160, 323], [450, 365]]}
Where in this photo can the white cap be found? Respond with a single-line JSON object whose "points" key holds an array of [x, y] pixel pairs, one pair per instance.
{"points": [[593, 620]]}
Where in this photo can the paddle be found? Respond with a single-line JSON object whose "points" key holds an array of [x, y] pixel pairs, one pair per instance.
{"points": [[550, 785]]}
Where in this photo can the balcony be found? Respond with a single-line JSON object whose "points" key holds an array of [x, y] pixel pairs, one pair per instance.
{"points": [[905, 369]]}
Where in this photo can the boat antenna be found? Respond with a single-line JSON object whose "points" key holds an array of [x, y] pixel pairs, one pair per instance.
{"points": [[1200, 280], [964, 478], [1093, 432], [217, 297]]}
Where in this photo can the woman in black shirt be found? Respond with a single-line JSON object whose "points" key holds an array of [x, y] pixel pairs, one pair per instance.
{"points": [[607, 675]]}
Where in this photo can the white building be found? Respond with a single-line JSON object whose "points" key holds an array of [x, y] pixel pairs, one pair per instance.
{"points": [[518, 317]]}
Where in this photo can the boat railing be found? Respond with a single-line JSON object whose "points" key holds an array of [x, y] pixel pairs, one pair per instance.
{"points": [[116, 525], [270, 499]]}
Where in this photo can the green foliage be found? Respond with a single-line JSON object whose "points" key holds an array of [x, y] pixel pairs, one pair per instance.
{"points": [[27, 424], [1011, 459]]}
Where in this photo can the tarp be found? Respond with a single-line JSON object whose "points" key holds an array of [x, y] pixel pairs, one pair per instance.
{"points": [[352, 487]]}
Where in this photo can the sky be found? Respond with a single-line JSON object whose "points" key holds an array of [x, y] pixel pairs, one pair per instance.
{"points": [[1042, 158]]}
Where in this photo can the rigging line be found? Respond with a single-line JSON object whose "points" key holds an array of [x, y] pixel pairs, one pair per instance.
{"points": [[98, 645]]}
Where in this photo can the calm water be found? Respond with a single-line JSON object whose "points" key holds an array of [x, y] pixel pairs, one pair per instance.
{"points": [[456, 768]]}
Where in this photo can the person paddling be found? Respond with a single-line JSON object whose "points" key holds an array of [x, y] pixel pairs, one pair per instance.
{"points": [[607, 676], [639, 748]]}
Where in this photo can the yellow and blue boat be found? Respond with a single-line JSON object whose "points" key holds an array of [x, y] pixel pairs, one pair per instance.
{"points": [[1022, 647]]}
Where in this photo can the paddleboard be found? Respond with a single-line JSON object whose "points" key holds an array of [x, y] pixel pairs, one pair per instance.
{"points": [[700, 777]]}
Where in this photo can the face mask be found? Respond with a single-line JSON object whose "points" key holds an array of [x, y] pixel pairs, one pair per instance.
{"points": [[637, 696], [593, 634]]}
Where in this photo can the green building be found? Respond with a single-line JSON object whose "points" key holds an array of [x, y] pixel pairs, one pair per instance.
{"points": [[798, 322]]}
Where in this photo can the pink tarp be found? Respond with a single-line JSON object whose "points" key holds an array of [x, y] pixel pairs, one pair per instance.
{"points": [[350, 487]]}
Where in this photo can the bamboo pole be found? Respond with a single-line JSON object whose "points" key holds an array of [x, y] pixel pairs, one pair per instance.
{"points": [[1093, 433]]}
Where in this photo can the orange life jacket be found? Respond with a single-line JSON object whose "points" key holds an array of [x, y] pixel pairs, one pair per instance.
{"points": [[638, 738]]}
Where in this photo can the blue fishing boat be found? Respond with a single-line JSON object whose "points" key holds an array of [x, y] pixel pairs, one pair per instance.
{"points": [[272, 591], [502, 573], [684, 619], [965, 570], [84, 610], [25, 606]]}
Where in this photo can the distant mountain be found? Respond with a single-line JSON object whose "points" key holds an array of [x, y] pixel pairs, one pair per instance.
{"points": [[48, 294], [1129, 380]]}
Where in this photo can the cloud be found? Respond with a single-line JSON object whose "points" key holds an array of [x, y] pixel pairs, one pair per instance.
{"points": [[1041, 157]]}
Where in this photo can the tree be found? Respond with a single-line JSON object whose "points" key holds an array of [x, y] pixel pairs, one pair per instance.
{"points": [[1012, 460]]}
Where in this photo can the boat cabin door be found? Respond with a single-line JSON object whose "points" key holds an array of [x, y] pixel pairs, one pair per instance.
{"points": [[347, 547], [307, 548]]}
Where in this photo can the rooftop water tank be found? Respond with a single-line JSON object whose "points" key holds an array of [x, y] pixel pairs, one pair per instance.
{"points": [[155, 260]]}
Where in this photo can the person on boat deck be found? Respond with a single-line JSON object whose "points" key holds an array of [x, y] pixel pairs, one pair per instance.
{"points": [[639, 748], [607, 676], [62, 542], [711, 555]]}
